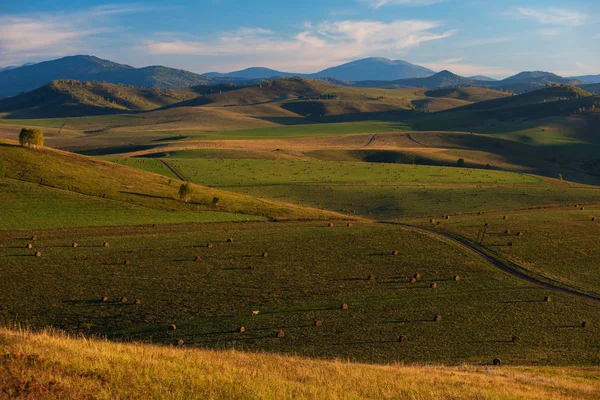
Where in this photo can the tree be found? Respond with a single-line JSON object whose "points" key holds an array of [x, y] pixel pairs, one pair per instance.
{"points": [[185, 191], [560, 177], [33, 138], [460, 162]]}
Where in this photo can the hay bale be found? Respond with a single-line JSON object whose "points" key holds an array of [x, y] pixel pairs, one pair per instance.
{"points": [[209, 245], [255, 312], [249, 267], [197, 259], [457, 277], [432, 221], [265, 254], [486, 224], [437, 318], [582, 208], [507, 232], [497, 362], [241, 329], [433, 285], [349, 225], [515, 339], [179, 342], [318, 323], [510, 244], [104, 299], [413, 280], [344, 306], [505, 217], [127, 262], [395, 253], [593, 219], [403, 339], [34, 237], [585, 324], [417, 276], [229, 240], [29, 245], [547, 299], [123, 299], [371, 278], [330, 225], [38, 254], [447, 217], [519, 234], [105, 244], [74, 244], [280, 334], [172, 327], [137, 302]]}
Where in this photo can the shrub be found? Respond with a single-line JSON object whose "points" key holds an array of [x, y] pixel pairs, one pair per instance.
{"points": [[460, 162]]}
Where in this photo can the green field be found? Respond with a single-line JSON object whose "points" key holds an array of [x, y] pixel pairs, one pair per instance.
{"points": [[311, 269]]}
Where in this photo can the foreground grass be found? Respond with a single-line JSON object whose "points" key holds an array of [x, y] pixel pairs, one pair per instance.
{"points": [[50, 365]]}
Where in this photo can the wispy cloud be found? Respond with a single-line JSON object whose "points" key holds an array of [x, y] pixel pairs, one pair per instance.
{"points": [[381, 3], [486, 41], [457, 66], [554, 16], [25, 38], [316, 46]]}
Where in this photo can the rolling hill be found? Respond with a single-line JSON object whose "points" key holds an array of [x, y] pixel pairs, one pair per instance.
{"points": [[442, 79], [90, 68]]}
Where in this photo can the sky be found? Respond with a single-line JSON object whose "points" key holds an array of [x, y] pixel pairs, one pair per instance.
{"points": [[496, 38]]}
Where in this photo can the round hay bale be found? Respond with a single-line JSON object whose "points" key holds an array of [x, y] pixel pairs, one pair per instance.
{"points": [[547, 299], [593, 219], [330, 225], [209, 245], [344, 306], [585, 324], [497, 362], [486, 224], [29, 245], [433, 285], [448, 217], [265, 254], [123, 299], [197, 259], [255, 312], [403, 339], [515, 339], [280, 334], [510, 244], [432, 221], [480, 213], [519, 234], [417, 276], [349, 225], [395, 253], [318, 323], [505, 217], [105, 244], [371, 278], [179, 342], [34, 237], [457, 277], [413, 280], [241, 329], [172, 327], [582, 208], [104, 299], [229, 240], [74, 244], [437, 318], [137, 302], [127, 262], [249, 267], [507, 232], [38, 254]]}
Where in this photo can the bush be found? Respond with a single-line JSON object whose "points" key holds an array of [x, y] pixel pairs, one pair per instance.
{"points": [[460, 162]]}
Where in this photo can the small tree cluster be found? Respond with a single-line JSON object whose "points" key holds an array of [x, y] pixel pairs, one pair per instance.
{"points": [[33, 138], [185, 192]]}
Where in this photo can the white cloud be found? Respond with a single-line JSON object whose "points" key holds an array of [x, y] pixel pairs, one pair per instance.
{"points": [[485, 41], [456, 66], [315, 47], [554, 16], [381, 3]]}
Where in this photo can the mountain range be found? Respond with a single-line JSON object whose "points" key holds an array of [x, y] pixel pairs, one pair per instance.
{"points": [[368, 72]]}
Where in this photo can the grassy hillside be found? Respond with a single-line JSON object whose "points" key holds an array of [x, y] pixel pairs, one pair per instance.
{"points": [[50, 365], [91, 177], [471, 94]]}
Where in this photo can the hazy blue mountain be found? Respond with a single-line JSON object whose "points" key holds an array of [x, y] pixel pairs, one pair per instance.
{"points": [[587, 78], [539, 77], [252, 73], [482, 78], [442, 79], [90, 68]]}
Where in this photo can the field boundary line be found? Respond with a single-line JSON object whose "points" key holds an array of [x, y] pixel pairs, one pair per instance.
{"points": [[173, 170]]}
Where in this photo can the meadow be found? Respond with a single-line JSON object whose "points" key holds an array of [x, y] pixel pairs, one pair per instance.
{"points": [[208, 293]]}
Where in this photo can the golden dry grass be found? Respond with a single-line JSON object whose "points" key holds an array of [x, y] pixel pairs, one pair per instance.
{"points": [[50, 365]]}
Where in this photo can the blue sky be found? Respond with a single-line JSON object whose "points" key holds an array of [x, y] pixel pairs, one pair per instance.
{"points": [[495, 38]]}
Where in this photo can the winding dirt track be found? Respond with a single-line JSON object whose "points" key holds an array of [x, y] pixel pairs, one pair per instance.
{"points": [[464, 243]]}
